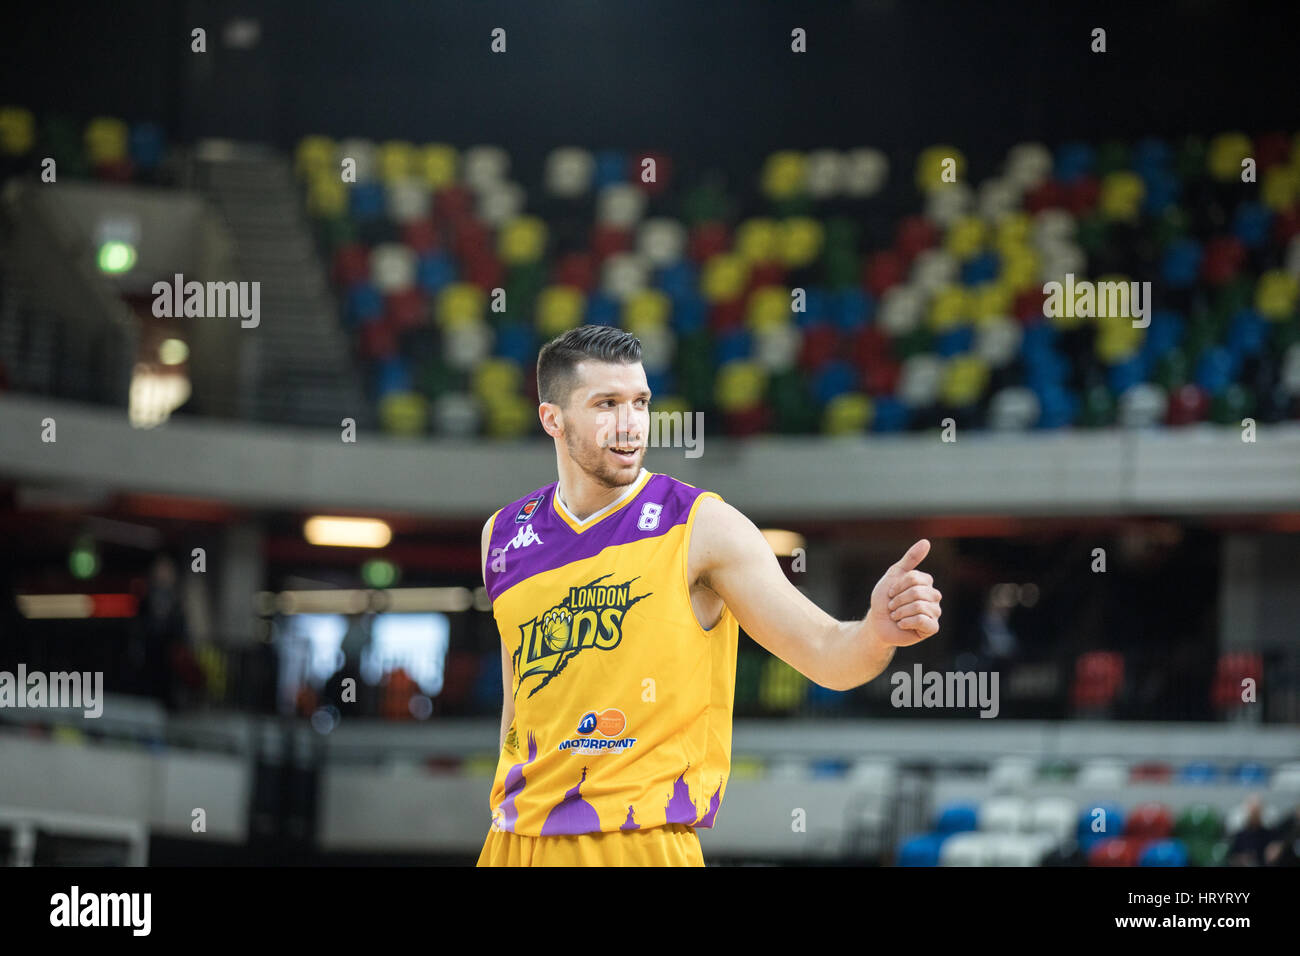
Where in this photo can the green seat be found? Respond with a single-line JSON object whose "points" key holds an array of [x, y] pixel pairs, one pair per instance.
{"points": [[1170, 225], [917, 342], [1205, 851], [793, 408], [1199, 822], [1235, 403], [1173, 370], [1057, 770], [1098, 409], [1093, 234]]}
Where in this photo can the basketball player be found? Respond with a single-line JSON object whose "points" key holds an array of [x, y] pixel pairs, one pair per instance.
{"points": [[618, 593]]}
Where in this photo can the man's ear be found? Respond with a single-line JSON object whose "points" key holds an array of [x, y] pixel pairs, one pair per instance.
{"points": [[552, 418]]}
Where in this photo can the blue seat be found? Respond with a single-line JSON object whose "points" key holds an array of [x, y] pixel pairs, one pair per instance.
{"points": [[1112, 825], [922, 850], [891, 415], [957, 818], [1164, 853], [836, 377], [1251, 774], [1198, 771]]}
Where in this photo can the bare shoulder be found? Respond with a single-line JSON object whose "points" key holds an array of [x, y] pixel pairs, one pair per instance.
{"points": [[716, 518], [721, 533]]}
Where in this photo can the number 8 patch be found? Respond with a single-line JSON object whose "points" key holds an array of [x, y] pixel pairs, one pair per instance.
{"points": [[649, 519]]}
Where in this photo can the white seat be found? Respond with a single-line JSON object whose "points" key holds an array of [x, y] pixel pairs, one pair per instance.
{"points": [[1287, 777], [1055, 816], [1270, 816], [967, 849], [1012, 774], [1103, 774], [1020, 849], [1006, 814]]}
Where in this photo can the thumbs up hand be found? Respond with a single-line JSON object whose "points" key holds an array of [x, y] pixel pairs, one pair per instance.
{"points": [[904, 604]]}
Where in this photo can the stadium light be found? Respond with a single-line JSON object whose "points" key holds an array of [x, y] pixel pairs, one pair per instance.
{"points": [[116, 258], [783, 543], [333, 532], [173, 352]]}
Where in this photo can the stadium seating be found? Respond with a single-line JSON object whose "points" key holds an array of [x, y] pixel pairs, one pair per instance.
{"points": [[808, 304], [775, 310]]}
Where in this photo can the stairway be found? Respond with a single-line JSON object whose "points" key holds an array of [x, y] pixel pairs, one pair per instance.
{"points": [[301, 369]]}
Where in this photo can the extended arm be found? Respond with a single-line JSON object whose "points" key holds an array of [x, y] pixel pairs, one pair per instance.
{"points": [[730, 557]]}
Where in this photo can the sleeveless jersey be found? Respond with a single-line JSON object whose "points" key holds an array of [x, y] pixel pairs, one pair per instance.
{"points": [[623, 702]]}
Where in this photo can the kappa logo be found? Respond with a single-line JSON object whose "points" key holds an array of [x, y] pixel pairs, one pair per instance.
{"points": [[591, 616], [529, 508], [523, 538]]}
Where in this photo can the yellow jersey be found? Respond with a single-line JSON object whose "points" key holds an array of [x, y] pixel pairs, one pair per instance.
{"points": [[623, 702]]}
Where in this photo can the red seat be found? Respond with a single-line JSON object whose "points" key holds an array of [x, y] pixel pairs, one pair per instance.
{"points": [[915, 235], [821, 343], [1046, 195], [1115, 851], [726, 316], [882, 271], [1149, 821], [1152, 771], [764, 274], [378, 340], [708, 239], [407, 309], [575, 269], [607, 240], [1098, 677], [421, 235], [1081, 195], [1188, 404], [351, 264], [1231, 670], [663, 167], [454, 204]]}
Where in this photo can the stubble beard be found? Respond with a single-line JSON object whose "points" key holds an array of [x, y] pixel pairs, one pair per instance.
{"points": [[591, 459]]}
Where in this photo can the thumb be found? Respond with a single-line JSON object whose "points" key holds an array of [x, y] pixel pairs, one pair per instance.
{"points": [[914, 556]]}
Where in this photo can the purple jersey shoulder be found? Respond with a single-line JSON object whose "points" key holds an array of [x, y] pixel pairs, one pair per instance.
{"points": [[528, 537]]}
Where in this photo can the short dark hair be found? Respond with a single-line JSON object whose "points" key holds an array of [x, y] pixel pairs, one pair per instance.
{"points": [[558, 357]]}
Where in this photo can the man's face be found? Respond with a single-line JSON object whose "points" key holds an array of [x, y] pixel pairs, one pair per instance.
{"points": [[606, 421]]}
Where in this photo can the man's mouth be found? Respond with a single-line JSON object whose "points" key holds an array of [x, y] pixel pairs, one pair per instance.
{"points": [[626, 453]]}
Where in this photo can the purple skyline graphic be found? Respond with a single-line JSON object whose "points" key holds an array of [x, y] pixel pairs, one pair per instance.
{"points": [[714, 802], [681, 808], [514, 786], [572, 814]]}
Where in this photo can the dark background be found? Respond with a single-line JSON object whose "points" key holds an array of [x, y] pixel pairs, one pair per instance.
{"points": [[714, 82]]}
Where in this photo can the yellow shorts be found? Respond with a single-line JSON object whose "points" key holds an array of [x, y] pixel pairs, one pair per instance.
{"points": [[673, 844]]}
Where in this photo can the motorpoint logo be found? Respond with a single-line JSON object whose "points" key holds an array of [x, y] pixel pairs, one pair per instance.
{"points": [[608, 723]]}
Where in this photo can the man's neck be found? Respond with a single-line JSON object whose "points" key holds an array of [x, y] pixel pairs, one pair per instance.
{"points": [[591, 500]]}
